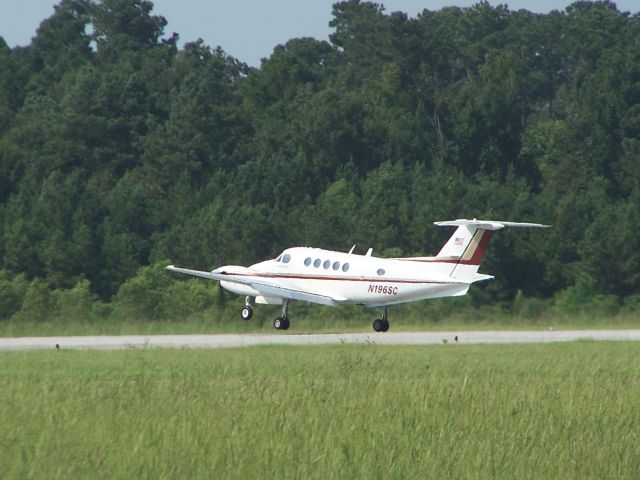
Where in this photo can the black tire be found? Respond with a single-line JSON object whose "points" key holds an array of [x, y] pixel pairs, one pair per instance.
{"points": [[385, 325], [285, 324], [246, 313], [378, 325]]}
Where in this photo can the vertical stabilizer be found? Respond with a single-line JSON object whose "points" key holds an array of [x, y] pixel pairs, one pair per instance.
{"points": [[459, 241], [469, 262], [468, 244]]}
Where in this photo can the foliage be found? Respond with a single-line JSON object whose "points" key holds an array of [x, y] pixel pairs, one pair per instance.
{"points": [[119, 150], [12, 294]]}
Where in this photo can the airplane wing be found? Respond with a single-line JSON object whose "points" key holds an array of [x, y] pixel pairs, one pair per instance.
{"points": [[197, 273], [266, 285], [292, 294]]}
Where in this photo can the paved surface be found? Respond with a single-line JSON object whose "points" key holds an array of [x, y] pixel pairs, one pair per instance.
{"points": [[243, 340]]}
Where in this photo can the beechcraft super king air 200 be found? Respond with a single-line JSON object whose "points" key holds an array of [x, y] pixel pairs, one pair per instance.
{"points": [[331, 278]]}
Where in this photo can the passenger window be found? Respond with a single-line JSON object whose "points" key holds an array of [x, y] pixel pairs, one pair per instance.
{"points": [[381, 271], [336, 265], [286, 258], [316, 262], [345, 267], [326, 264], [307, 261]]}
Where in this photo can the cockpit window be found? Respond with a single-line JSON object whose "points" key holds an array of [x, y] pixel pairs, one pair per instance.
{"points": [[286, 258], [279, 258]]}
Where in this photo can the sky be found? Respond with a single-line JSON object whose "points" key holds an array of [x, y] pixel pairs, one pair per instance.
{"points": [[249, 29]]}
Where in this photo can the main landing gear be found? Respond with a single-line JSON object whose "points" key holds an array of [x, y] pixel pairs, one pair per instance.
{"points": [[382, 324], [282, 322], [247, 312]]}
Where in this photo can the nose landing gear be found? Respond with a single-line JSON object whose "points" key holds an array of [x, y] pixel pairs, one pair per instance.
{"points": [[247, 312], [382, 324]]}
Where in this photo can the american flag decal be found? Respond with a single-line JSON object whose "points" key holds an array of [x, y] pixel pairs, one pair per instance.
{"points": [[458, 241]]}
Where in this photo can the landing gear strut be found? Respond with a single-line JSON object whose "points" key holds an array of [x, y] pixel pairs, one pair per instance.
{"points": [[247, 312], [382, 324], [282, 322]]}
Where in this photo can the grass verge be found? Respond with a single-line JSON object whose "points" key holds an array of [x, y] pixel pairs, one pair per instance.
{"points": [[338, 322]]}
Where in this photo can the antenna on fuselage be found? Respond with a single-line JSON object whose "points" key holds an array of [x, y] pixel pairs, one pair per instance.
{"points": [[369, 252], [352, 248]]}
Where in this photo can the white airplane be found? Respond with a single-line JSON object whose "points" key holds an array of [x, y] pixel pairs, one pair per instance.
{"points": [[331, 278]]}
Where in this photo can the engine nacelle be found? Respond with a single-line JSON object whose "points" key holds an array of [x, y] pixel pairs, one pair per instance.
{"points": [[239, 288]]}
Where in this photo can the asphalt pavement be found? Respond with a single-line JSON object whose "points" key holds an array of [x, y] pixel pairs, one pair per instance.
{"points": [[245, 340]]}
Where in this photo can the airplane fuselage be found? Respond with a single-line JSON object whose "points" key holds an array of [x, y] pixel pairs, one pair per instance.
{"points": [[346, 277]]}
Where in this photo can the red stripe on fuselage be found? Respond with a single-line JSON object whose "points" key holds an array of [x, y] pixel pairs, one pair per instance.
{"points": [[431, 260], [341, 279], [473, 255]]}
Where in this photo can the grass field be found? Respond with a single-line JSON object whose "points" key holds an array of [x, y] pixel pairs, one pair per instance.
{"points": [[449, 411]]}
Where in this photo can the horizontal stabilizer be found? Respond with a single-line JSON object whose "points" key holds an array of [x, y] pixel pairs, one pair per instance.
{"points": [[487, 224], [480, 277]]}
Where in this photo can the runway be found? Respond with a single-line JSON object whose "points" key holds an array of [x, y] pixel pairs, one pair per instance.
{"points": [[246, 340]]}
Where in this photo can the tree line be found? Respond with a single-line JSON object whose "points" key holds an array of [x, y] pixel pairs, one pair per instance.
{"points": [[120, 151]]}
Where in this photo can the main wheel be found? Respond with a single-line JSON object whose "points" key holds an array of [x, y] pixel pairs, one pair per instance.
{"points": [[378, 326], [281, 323], [385, 325], [246, 313]]}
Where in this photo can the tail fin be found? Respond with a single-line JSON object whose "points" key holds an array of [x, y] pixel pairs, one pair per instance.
{"points": [[468, 244]]}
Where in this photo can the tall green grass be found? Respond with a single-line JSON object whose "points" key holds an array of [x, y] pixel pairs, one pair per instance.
{"points": [[450, 411]]}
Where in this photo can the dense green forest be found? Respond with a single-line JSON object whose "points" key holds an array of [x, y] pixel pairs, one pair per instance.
{"points": [[121, 152]]}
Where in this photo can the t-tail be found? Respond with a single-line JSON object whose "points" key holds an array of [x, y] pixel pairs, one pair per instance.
{"points": [[468, 244]]}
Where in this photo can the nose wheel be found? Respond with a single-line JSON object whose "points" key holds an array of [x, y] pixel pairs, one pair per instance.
{"points": [[247, 312], [382, 324]]}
